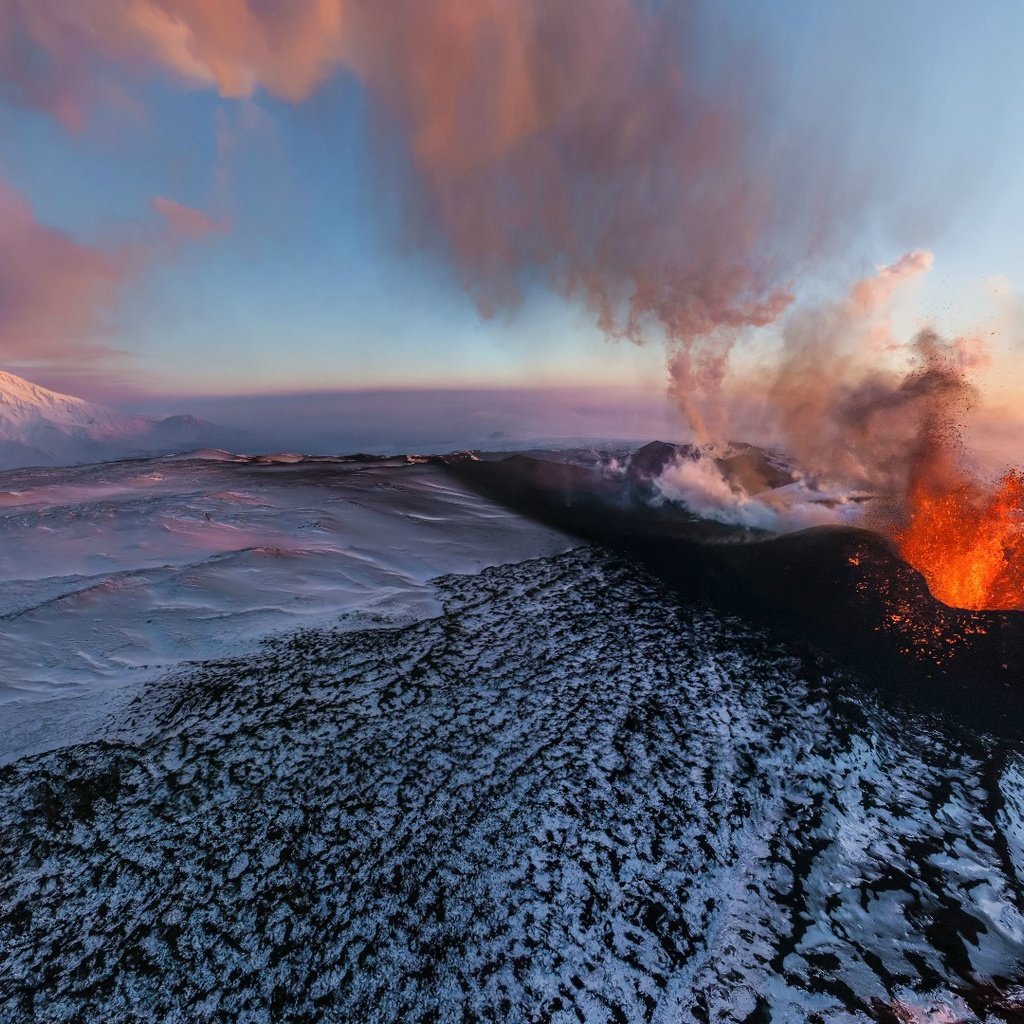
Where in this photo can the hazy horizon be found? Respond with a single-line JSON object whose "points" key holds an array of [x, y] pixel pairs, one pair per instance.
{"points": [[390, 420]]}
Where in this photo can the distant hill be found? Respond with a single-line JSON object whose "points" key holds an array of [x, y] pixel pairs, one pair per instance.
{"points": [[39, 427]]}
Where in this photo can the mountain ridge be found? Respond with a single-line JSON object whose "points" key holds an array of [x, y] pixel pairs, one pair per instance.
{"points": [[41, 427]]}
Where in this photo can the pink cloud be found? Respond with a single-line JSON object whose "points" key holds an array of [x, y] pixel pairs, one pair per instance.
{"points": [[55, 292], [872, 294], [52, 53], [186, 222], [58, 295], [563, 138]]}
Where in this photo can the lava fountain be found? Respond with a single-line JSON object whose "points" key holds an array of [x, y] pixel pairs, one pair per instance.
{"points": [[967, 540], [963, 534]]}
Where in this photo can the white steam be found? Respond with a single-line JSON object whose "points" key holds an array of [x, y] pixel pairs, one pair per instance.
{"points": [[698, 483]]}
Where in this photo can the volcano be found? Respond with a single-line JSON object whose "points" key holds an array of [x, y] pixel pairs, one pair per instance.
{"points": [[40, 427], [846, 590], [505, 755]]}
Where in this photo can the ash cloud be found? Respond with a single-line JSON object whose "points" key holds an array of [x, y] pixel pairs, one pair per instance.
{"points": [[596, 147], [870, 421], [856, 406], [624, 154]]}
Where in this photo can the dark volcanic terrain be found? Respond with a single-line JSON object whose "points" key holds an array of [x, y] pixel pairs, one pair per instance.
{"points": [[566, 797]]}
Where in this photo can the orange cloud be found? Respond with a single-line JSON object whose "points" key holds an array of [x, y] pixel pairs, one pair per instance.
{"points": [[50, 50], [872, 294], [186, 222], [54, 291], [574, 143]]}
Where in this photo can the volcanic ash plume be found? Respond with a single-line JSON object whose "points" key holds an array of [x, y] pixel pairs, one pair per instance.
{"points": [[583, 145], [874, 428], [849, 401], [618, 151], [857, 408]]}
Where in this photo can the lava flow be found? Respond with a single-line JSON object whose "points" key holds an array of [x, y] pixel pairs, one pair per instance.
{"points": [[968, 541]]}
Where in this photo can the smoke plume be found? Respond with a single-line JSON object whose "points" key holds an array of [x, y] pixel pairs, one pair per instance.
{"points": [[599, 148], [857, 407]]}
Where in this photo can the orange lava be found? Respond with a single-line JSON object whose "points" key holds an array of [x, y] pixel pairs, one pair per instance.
{"points": [[968, 542]]}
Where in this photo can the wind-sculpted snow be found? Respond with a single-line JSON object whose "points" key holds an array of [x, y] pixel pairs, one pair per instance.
{"points": [[111, 572], [567, 797]]}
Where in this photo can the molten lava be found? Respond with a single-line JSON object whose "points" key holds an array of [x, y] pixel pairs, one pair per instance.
{"points": [[968, 542]]}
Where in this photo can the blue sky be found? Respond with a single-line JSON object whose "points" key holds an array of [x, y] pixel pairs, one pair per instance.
{"points": [[316, 285]]}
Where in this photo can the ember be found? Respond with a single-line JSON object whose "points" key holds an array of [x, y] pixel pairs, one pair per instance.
{"points": [[968, 541]]}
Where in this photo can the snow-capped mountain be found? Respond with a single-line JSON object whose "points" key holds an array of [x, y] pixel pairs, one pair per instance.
{"points": [[39, 427]]}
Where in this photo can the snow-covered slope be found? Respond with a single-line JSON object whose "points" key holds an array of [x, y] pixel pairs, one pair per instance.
{"points": [[28, 411], [562, 795], [291, 739], [43, 427], [108, 571]]}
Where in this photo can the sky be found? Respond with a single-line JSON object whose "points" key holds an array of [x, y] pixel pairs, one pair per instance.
{"points": [[252, 197]]}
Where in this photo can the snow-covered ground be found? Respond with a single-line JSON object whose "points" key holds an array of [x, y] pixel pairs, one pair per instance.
{"points": [[117, 572], [288, 740], [565, 797]]}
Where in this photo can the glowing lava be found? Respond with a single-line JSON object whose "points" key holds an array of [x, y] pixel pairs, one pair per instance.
{"points": [[968, 542]]}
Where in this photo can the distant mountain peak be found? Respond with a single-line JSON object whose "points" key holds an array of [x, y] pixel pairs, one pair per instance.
{"points": [[26, 408], [43, 427]]}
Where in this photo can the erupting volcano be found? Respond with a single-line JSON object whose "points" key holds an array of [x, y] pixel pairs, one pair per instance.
{"points": [[864, 412], [968, 541], [963, 533], [535, 542]]}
